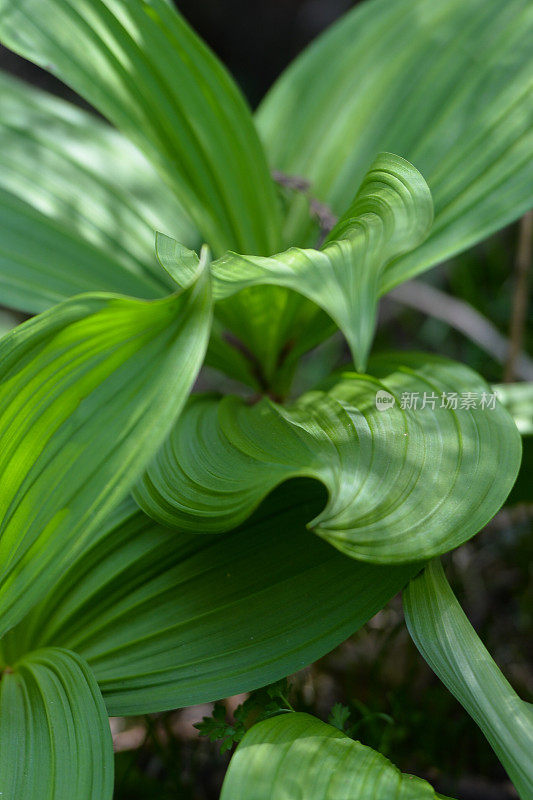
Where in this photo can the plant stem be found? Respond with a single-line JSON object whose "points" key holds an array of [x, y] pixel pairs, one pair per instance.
{"points": [[464, 318]]}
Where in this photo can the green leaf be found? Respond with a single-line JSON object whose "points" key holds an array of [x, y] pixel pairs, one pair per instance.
{"points": [[230, 360], [450, 645], [168, 620], [216, 728], [339, 716], [180, 263], [403, 483], [447, 85], [518, 400], [260, 704], [296, 755], [141, 65], [43, 263], [88, 392], [55, 740], [391, 214], [78, 205]]}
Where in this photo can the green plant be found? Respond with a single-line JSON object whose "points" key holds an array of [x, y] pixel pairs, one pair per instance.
{"points": [[160, 550]]}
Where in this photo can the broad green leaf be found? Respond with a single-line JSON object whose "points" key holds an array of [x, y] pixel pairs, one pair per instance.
{"points": [[518, 400], [446, 84], [88, 392], [450, 645], [168, 620], [78, 205], [43, 263], [297, 756], [391, 214], [55, 741], [141, 65], [404, 483]]}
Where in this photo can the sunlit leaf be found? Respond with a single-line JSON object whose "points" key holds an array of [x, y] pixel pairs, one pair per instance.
{"points": [[167, 619], [446, 84], [78, 205], [141, 65], [43, 263], [391, 214], [404, 483], [450, 645], [55, 740], [296, 755], [518, 400], [88, 392]]}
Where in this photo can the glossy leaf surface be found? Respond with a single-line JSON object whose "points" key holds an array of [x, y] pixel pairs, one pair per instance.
{"points": [[55, 741], [518, 400], [78, 205], [141, 65], [167, 619], [88, 392], [450, 645], [404, 482], [297, 755], [391, 214], [446, 85]]}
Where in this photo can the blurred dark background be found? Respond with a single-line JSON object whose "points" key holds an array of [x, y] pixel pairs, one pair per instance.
{"points": [[400, 707]]}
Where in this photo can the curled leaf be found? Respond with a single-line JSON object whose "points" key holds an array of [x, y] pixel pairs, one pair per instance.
{"points": [[446, 85], [390, 215], [406, 480]]}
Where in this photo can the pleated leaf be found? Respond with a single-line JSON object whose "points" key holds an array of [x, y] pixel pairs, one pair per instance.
{"points": [[141, 65], [43, 263], [78, 205], [167, 620], [391, 214], [55, 741], [404, 482], [446, 85], [450, 645], [271, 327], [88, 392], [296, 755]]}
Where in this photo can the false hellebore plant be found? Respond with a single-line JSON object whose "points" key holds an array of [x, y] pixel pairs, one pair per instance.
{"points": [[154, 552]]}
